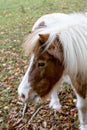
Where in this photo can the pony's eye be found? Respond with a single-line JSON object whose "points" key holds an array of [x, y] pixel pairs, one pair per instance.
{"points": [[41, 64]]}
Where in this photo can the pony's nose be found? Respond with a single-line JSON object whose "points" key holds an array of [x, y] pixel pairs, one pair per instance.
{"points": [[22, 97]]}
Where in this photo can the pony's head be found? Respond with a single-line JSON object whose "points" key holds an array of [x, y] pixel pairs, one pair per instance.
{"points": [[45, 69]]}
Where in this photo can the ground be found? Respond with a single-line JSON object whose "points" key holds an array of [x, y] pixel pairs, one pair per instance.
{"points": [[16, 19]]}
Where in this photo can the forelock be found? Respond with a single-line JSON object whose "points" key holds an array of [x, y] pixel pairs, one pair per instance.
{"points": [[31, 42]]}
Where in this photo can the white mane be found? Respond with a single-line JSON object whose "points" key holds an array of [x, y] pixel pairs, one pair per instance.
{"points": [[72, 32]]}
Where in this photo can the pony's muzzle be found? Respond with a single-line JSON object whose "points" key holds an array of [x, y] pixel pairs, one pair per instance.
{"points": [[28, 96], [33, 97], [23, 94], [22, 98]]}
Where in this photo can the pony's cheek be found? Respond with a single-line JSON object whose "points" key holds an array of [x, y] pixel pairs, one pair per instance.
{"points": [[42, 88]]}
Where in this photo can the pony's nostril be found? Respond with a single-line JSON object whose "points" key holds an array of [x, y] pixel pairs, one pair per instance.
{"points": [[35, 96], [23, 96]]}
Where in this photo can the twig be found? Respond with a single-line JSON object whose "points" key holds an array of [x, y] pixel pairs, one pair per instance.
{"points": [[24, 107], [18, 121], [32, 117], [16, 114], [22, 127], [34, 114], [20, 103], [24, 110]]}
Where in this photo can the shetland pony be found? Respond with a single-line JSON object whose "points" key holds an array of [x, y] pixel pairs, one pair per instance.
{"points": [[46, 20], [58, 46]]}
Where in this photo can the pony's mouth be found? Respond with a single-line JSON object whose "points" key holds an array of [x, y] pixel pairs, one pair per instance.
{"points": [[33, 97]]}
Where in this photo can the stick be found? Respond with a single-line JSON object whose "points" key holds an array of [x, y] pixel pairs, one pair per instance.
{"points": [[34, 114], [18, 122], [31, 117], [24, 110], [20, 103]]}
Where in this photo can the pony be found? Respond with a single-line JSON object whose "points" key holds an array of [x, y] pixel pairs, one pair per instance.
{"points": [[57, 46], [54, 103]]}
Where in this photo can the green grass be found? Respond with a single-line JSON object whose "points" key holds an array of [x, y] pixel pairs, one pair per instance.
{"points": [[18, 16], [15, 11], [16, 19]]}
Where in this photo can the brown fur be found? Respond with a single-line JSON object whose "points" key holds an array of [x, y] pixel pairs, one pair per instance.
{"points": [[56, 50], [43, 78], [80, 87], [43, 37]]}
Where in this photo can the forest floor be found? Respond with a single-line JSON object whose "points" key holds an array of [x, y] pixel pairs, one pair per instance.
{"points": [[16, 19]]}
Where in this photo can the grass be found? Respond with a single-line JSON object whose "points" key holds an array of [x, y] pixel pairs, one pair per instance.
{"points": [[16, 19]]}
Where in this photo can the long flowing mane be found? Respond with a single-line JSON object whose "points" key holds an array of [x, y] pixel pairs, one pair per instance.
{"points": [[72, 32]]}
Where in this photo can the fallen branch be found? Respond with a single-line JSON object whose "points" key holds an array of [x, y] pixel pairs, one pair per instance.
{"points": [[32, 117], [24, 107], [34, 114], [20, 103], [24, 110], [18, 122]]}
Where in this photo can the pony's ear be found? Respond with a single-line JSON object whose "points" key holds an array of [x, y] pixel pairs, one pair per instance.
{"points": [[56, 50], [43, 37]]}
